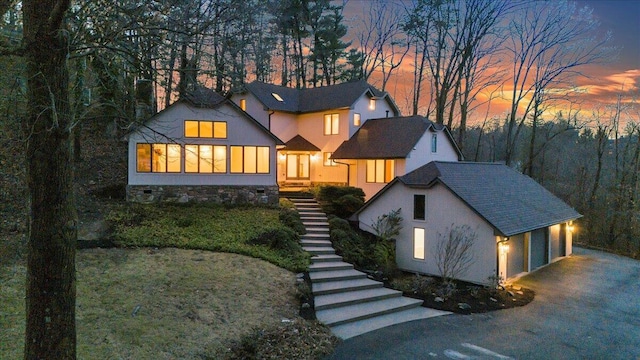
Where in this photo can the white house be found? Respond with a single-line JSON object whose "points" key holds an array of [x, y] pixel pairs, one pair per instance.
{"points": [[519, 225], [313, 122], [385, 148], [203, 148]]}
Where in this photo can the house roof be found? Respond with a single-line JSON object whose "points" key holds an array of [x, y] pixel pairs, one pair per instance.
{"points": [[298, 143], [511, 202], [336, 96], [388, 138]]}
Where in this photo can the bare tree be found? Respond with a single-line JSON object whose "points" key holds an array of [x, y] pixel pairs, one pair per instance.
{"points": [[548, 43], [454, 251]]}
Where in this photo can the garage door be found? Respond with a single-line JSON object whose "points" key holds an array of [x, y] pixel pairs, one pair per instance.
{"points": [[539, 248]]}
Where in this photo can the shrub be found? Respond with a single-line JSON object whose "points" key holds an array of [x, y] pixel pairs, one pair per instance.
{"points": [[290, 218], [454, 252], [341, 201], [338, 223], [280, 238]]}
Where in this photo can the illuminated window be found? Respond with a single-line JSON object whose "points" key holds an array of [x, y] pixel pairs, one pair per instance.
{"points": [[380, 171], [205, 159], [331, 124], [277, 97], [326, 159], [250, 159], [158, 158], [418, 243], [205, 129], [419, 207], [243, 104], [143, 161], [356, 119], [434, 143], [372, 104]]}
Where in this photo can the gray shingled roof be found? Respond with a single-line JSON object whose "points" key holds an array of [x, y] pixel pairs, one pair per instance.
{"points": [[510, 201], [298, 143], [386, 138], [313, 99], [204, 98]]}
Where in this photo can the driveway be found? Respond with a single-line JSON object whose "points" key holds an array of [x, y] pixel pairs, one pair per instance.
{"points": [[587, 306]]}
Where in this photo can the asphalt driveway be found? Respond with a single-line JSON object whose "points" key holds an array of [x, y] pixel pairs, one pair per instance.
{"points": [[587, 306]]}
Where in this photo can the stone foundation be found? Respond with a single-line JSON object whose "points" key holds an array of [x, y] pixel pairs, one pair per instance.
{"points": [[218, 194]]}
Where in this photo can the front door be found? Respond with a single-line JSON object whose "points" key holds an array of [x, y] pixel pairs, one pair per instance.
{"points": [[297, 166]]}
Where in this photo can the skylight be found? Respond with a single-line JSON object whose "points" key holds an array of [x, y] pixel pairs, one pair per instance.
{"points": [[278, 97]]}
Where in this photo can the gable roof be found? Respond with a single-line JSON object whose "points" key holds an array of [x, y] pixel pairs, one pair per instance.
{"points": [[336, 96], [203, 97], [511, 202], [388, 138], [298, 143]]}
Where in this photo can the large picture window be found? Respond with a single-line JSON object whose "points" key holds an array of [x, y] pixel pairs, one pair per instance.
{"points": [[380, 171], [331, 124], [205, 129], [158, 158], [205, 159], [250, 159]]}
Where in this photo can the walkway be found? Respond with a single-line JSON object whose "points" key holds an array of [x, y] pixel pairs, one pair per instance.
{"points": [[346, 300]]}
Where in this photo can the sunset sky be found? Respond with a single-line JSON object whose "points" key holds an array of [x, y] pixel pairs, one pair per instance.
{"points": [[602, 83]]}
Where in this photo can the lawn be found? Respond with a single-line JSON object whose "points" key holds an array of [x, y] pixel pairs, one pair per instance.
{"points": [[179, 286]]}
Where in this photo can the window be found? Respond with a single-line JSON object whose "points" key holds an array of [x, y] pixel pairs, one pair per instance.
{"points": [[380, 171], [205, 159], [418, 243], [419, 207], [250, 159], [277, 97], [372, 104], [205, 129], [243, 104], [331, 124], [326, 159], [434, 143], [356, 119], [158, 157]]}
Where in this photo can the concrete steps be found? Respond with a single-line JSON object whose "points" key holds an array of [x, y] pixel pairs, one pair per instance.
{"points": [[346, 300]]}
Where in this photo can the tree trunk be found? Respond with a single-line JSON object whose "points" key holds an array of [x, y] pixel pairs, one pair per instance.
{"points": [[50, 286]]}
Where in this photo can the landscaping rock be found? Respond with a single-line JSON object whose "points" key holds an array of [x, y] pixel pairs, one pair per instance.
{"points": [[464, 306]]}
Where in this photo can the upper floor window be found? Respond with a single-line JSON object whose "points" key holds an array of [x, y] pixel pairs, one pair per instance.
{"points": [[277, 97], [331, 124], [243, 104], [380, 171], [356, 119], [250, 159], [205, 129], [326, 159], [158, 157], [434, 143], [419, 207], [372, 104]]}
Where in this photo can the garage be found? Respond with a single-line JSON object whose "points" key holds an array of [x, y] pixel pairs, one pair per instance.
{"points": [[539, 248]]}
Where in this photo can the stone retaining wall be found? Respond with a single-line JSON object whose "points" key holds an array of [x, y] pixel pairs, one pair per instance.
{"points": [[236, 195]]}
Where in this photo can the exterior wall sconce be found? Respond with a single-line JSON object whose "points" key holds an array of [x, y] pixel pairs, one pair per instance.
{"points": [[570, 226], [503, 246]]}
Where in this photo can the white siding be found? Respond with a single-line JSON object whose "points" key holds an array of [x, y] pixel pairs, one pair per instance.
{"points": [[371, 189], [442, 210], [422, 154], [170, 123], [361, 106], [254, 107]]}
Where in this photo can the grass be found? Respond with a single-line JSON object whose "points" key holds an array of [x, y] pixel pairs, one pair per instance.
{"points": [[203, 227], [163, 304]]}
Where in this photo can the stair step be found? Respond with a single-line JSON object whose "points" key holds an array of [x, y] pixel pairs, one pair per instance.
{"points": [[317, 230], [306, 214], [325, 258], [351, 313], [315, 243], [335, 287], [303, 200], [333, 301], [330, 265], [352, 329], [320, 235], [334, 275], [318, 250], [308, 223]]}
